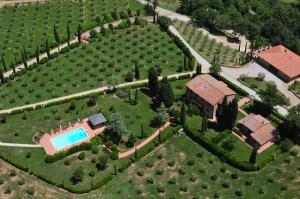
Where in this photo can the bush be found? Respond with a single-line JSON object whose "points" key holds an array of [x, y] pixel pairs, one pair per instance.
{"points": [[183, 188], [1, 181], [149, 180], [92, 173], [181, 171], [171, 163], [7, 190], [159, 172], [21, 182], [140, 173], [239, 193], [67, 162], [12, 173], [81, 156], [95, 149], [226, 185], [214, 177], [191, 162], [30, 191], [234, 176], [160, 189], [172, 181]]}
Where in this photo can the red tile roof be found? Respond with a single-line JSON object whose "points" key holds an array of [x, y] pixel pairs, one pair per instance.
{"points": [[262, 130], [209, 89], [282, 59]]}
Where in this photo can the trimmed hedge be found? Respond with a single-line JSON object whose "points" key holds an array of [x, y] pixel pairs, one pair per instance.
{"points": [[225, 155]]}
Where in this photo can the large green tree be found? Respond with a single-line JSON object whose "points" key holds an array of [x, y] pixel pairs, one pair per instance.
{"points": [[116, 127], [271, 97], [294, 122], [166, 94], [227, 113]]}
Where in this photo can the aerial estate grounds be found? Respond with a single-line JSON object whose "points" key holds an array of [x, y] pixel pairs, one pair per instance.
{"points": [[26, 26], [123, 108], [107, 59]]}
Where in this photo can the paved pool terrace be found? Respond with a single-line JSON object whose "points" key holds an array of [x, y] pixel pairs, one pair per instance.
{"points": [[48, 138]]}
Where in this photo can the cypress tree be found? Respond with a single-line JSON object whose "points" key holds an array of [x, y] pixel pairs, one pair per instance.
{"points": [[166, 94], [56, 36], [37, 54], [115, 169], [253, 156], [153, 84], [182, 115], [68, 33], [199, 69], [232, 113], [24, 60], [47, 48], [2, 76], [204, 124], [137, 71], [239, 46], [246, 48], [3, 62], [221, 113], [79, 33], [136, 97]]}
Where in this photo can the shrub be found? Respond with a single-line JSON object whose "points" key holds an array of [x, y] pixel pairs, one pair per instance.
{"points": [[249, 182], [226, 185], [160, 156], [149, 164], [214, 177], [21, 182], [67, 162], [159, 172], [1, 181], [28, 155], [81, 156], [216, 195], [30, 191], [160, 189], [149, 180], [140, 173], [261, 191], [228, 145], [183, 188], [191, 162], [171, 163], [193, 178], [12, 173], [95, 149], [172, 181], [181, 171], [239, 193], [7, 190], [234, 176], [139, 191], [283, 188], [92, 173]]}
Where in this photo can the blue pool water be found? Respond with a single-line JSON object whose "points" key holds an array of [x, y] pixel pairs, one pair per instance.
{"points": [[69, 138]]}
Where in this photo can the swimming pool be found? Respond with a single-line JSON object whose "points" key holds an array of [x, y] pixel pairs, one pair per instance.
{"points": [[69, 138]]}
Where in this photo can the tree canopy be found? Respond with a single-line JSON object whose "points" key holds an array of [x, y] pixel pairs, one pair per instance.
{"points": [[271, 97], [264, 21]]}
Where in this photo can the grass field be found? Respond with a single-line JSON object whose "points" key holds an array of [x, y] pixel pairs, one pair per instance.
{"points": [[207, 47], [104, 61], [199, 174], [52, 117], [28, 25]]}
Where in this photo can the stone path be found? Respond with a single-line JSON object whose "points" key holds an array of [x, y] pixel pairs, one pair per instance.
{"points": [[21, 145], [85, 93], [145, 142]]}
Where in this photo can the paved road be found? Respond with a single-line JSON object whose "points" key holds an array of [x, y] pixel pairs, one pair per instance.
{"points": [[145, 142], [252, 69], [84, 93], [20, 145]]}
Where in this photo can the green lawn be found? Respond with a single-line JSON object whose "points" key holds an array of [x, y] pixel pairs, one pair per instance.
{"points": [[28, 25], [20, 128], [207, 47], [133, 115], [172, 5], [205, 178], [107, 60]]}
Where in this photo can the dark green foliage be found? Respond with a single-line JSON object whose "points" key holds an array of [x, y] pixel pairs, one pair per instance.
{"points": [[153, 82], [253, 156], [68, 33], [79, 33], [274, 21], [228, 145], [137, 74], [37, 54], [182, 114], [81, 156], [78, 175], [227, 113], [286, 145], [56, 36], [164, 22], [166, 94], [215, 69], [204, 124], [47, 48], [271, 97]]}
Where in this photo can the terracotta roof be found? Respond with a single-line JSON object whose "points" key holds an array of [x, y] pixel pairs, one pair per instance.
{"points": [[209, 88], [262, 130], [282, 59]]}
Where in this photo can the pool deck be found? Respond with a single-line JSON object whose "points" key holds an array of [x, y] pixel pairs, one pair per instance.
{"points": [[50, 149]]}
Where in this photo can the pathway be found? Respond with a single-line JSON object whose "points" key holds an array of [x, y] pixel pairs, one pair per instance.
{"points": [[21, 145], [145, 142], [85, 93]]}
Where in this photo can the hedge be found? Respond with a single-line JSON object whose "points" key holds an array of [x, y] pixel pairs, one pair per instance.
{"points": [[225, 155], [60, 155]]}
